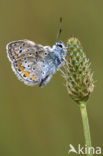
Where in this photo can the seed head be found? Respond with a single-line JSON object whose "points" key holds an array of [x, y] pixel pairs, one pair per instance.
{"points": [[78, 75]]}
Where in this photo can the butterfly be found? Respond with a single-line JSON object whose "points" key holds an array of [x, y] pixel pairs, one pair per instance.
{"points": [[34, 63]]}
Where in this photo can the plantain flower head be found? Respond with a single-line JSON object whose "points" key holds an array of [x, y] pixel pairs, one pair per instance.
{"points": [[78, 74]]}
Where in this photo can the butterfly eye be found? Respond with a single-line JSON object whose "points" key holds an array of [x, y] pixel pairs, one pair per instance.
{"points": [[59, 45]]}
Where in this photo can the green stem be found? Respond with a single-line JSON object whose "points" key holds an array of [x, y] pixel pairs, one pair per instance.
{"points": [[86, 127]]}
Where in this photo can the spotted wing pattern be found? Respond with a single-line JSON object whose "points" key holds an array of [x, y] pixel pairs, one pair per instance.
{"points": [[27, 59]]}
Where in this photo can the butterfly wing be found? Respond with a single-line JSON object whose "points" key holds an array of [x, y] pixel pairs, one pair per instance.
{"points": [[16, 49], [26, 59]]}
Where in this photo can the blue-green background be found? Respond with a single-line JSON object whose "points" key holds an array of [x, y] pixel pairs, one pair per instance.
{"points": [[35, 121]]}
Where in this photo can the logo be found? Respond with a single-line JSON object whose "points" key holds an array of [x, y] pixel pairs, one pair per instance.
{"points": [[84, 150]]}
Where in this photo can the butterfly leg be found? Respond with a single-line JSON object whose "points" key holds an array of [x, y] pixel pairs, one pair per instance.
{"points": [[45, 80]]}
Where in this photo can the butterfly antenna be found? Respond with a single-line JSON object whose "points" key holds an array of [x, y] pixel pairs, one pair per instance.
{"points": [[59, 29]]}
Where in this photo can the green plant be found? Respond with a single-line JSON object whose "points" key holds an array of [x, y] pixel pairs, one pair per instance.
{"points": [[79, 81]]}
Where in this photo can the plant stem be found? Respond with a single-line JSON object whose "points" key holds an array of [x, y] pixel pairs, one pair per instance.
{"points": [[86, 127]]}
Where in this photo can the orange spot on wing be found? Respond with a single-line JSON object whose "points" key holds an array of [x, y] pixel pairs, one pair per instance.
{"points": [[26, 74], [34, 78], [18, 64], [22, 56], [22, 68]]}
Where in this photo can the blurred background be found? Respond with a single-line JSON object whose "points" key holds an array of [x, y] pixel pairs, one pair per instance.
{"points": [[44, 121]]}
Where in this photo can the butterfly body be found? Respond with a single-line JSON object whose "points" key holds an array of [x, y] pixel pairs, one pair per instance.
{"points": [[34, 63]]}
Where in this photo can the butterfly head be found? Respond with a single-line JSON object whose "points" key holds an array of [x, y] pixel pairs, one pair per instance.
{"points": [[60, 45], [60, 48]]}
